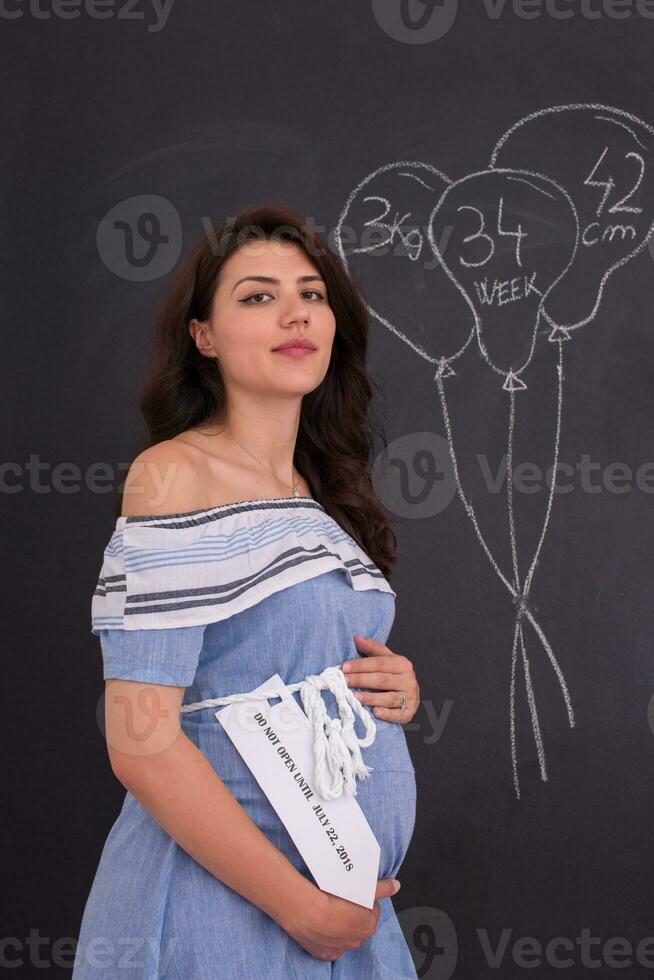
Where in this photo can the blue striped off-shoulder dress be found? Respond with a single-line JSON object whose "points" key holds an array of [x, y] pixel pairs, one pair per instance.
{"points": [[216, 601]]}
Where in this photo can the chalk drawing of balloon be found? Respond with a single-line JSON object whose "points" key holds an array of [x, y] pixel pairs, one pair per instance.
{"points": [[604, 159], [513, 237], [381, 236]]}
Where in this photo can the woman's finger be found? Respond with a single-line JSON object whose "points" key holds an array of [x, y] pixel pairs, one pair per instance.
{"points": [[396, 664], [378, 678], [391, 699]]}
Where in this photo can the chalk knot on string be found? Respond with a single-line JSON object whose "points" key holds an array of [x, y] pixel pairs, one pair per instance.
{"points": [[520, 599], [444, 369]]}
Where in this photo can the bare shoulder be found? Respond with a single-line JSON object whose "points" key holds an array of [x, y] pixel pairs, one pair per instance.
{"points": [[161, 480]]}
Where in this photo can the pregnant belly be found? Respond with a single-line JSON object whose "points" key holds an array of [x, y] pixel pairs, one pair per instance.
{"points": [[387, 797]]}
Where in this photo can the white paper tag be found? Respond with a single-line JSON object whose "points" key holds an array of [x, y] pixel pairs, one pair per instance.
{"points": [[333, 836]]}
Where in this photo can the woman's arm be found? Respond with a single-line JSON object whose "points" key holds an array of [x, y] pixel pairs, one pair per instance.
{"points": [[178, 786]]}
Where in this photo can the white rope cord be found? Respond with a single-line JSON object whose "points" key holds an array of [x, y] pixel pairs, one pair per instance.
{"points": [[336, 746]]}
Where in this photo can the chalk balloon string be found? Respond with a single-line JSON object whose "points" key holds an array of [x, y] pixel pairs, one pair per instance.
{"points": [[520, 594]]}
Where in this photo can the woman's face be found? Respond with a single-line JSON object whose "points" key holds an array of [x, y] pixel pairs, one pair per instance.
{"points": [[270, 293]]}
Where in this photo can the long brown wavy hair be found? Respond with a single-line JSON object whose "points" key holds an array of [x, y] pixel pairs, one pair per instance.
{"points": [[336, 432]]}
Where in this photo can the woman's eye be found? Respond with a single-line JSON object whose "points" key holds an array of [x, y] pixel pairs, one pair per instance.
{"points": [[253, 296]]}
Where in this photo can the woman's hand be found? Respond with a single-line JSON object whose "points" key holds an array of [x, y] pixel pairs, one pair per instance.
{"points": [[327, 926], [388, 671]]}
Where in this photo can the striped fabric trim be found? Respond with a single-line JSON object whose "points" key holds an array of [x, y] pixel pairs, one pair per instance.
{"points": [[201, 566]]}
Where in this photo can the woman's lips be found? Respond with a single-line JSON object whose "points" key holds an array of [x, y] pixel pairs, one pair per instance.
{"points": [[295, 351]]}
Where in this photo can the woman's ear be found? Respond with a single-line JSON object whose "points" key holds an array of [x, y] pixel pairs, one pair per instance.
{"points": [[199, 332]]}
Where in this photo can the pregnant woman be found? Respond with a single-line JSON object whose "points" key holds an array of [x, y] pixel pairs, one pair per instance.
{"points": [[249, 543]]}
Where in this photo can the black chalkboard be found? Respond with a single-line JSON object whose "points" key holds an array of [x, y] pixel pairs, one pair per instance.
{"points": [[486, 172]]}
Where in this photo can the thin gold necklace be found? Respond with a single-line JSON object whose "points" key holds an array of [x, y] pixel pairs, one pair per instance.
{"points": [[295, 485]]}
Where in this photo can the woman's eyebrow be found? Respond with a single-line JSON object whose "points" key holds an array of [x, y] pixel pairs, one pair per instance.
{"points": [[275, 281]]}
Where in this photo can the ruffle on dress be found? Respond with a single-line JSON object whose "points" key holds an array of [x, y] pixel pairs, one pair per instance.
{"points": [[202, 566]]}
